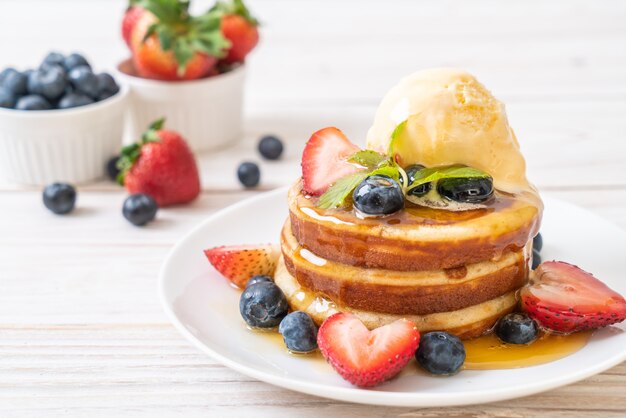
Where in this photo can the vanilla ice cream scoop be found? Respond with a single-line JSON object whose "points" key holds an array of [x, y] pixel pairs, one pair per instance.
{"points": [[450, 119]]}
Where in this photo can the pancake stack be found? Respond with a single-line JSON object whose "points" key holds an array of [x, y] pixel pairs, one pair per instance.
{"points": [[448, 271], [444, 268]]}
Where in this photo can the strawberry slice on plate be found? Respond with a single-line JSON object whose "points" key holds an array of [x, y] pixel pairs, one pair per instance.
{"points": [[324, 160], [238, 263], [366, 358], [564, 298]]}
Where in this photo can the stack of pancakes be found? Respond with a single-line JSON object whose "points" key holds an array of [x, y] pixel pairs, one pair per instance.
{"points": [[447, 271]]}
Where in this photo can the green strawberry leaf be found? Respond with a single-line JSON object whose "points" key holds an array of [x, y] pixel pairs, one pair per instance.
{"points": [[157, 124], [152, 29], [166, 37], [183, 52], [433, 174], [235, 7], [128, 156], [130, 153], [367, 158], [184, 34]]}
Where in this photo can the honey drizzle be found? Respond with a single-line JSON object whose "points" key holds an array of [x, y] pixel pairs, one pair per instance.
{"points": [[486, 352], [489, 353]]}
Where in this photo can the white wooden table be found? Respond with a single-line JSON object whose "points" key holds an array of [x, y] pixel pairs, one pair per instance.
{"points": [[81, 330]]}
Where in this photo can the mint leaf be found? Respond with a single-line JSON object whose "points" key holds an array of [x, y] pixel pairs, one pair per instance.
{"points": [[432, 174], [367, 158], [389, 171], [336, 195], [394, 135]]}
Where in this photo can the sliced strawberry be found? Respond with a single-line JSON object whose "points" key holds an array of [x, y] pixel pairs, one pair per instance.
{"points": [[324, 160], [238, 263], [366, 358], [564, 298]]}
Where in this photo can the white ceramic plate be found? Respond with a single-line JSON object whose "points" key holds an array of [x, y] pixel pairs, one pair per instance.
{"points": [[204, 307]]}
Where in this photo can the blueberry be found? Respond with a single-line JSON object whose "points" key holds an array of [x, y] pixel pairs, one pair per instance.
{"points": [[538, 242], [440, 353], [4, 73], [112, 169], [75, 60], [466, 190], [107, 86], [16, 83], [422, 189], [70, 100], [60, 198], [49, 83], [249, 174], [270, 147], [516, 328], [139, 209], [378, 195], [299, 332], [32, 102], [7, 99], [84, 80], [53, 58], [44, 68], [536, 259], [263, 305], [259, 279]]}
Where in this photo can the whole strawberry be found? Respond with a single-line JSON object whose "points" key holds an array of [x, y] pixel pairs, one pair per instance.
{"points": [[161, 165], [168, 43], [240, 28]]}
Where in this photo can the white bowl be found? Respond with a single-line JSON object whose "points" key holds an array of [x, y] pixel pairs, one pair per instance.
{"points": [[70, 145], [206, 112]]}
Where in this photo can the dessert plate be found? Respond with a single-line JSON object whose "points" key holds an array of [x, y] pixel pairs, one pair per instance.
{"points": [[205, 308]]}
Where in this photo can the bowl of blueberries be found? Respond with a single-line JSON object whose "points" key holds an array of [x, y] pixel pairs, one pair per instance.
{"points": [[61, 121]]}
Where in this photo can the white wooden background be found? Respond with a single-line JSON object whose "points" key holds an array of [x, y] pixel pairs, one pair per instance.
{"points": [[81, 330]]}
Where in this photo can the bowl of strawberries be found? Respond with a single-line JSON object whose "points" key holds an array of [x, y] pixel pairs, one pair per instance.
{"points": [[188, 68]]}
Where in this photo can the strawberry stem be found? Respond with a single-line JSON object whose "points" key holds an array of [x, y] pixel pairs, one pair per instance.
{"points": [[131, 153], [184, 34], [236, 7]]}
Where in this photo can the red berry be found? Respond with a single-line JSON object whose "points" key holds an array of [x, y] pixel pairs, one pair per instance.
{"points": [[242, 34], [324, 160], [238, 263], [564, 298], [162, 166], [363, 357]]}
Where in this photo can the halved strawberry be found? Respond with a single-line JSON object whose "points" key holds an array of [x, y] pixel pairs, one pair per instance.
{"points": [[366, 358], [238, 263], [324, 160], [564, 298]]}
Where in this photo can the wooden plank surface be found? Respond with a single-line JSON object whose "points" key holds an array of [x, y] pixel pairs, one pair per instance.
{"points": [[81, 329]]}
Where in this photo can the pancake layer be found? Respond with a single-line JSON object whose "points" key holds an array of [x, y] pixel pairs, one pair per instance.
{"points": [[416, 238], [466, 323], [402, 292]]}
